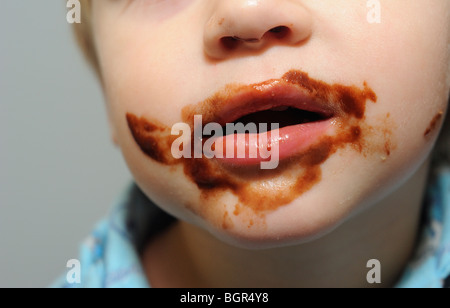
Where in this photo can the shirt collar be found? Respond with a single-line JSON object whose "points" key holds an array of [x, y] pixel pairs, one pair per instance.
{"points": [[431, 264]]}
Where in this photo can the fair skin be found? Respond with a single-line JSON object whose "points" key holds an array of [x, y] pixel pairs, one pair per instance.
{"points": [[157, 57]]}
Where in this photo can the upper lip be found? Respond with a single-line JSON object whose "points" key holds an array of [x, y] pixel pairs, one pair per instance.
{"points": [[234, 102]]}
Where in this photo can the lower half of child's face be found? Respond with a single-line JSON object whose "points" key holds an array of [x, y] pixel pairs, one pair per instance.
{"points": [[358, 88]]}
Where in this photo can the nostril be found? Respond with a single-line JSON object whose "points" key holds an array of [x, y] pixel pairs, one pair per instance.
{"points": [[247, 40], [280, 32], [232, 42], [229, 42]]}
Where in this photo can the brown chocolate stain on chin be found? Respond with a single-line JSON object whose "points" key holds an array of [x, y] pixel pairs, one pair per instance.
{"points": [[433, 124], [254, 200]]}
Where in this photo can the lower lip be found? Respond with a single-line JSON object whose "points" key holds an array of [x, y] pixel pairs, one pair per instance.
{"points": [[291, 141]]}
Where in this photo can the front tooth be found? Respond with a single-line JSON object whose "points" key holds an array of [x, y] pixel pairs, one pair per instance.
{"points": [[280, 108]]}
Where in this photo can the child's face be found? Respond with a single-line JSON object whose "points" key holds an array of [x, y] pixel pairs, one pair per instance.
{"points": [[163, 62]]}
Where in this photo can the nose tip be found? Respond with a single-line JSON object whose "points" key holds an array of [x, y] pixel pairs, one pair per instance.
{"points": [[238, 25]]}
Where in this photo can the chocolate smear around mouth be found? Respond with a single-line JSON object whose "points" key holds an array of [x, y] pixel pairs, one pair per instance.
{"points": [[213, 180], [433, 124]]}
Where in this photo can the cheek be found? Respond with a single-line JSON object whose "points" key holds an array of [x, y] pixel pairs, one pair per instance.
{"points": [[408, 64], [141, 62], [139, 76], [131, 81]]}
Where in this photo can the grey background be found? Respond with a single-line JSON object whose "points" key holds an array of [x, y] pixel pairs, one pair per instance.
{"points": [[59, 172]]}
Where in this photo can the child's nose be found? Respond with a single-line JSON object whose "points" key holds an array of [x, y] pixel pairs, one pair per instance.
{"points": [[245, 25]]}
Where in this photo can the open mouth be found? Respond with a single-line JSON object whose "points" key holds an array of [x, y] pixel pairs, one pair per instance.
{"points": [[284, 116], [278, 115]]}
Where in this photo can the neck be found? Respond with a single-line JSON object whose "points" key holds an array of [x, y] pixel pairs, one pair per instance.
{"points": [[386, 232]]}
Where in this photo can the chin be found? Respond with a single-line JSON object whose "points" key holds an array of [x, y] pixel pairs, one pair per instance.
{"points": [[294, 224]]}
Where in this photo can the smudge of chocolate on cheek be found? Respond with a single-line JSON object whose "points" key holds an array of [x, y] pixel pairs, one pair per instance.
{"points": [[213, 180], [379, 139], [237, 210], [387, 148], [153, 138], [433, 124], [227, 223]]}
